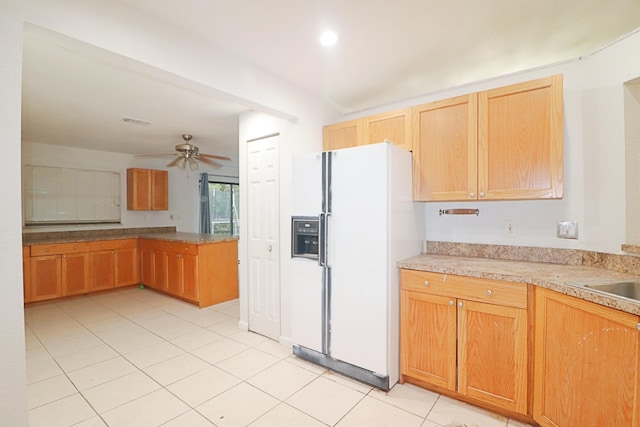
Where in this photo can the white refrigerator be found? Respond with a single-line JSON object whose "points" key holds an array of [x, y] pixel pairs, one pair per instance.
{"points": [[345, 304]]}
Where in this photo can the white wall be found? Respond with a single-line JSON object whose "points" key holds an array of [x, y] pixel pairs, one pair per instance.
{"points": [[184, 195], [594, 151], [13, 391]]}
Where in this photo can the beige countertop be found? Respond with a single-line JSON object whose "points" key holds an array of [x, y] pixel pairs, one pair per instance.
{"points": [[567, 279], [168, 236]]}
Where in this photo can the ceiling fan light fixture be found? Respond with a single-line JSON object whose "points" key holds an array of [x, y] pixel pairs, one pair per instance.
{"points": [[182, 163], [193, 164]]}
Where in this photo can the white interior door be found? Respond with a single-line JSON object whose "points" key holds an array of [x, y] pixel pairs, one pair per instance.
{"points": [[263, 237]]}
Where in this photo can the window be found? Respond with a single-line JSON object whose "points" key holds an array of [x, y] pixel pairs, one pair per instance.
{"points": [[224, 205], [55, 195]]}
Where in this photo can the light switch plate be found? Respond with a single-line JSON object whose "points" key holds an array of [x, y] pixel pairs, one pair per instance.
{"points": [[567, 230]]}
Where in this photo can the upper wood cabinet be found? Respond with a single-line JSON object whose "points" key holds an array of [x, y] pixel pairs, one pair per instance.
{"points": [[501, 144], [394, 126], [147, 189], [343, 135], [587, 363], [445, 149]]}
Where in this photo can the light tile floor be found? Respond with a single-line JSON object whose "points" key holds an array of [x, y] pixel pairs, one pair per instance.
{"points": [[135, 357]]}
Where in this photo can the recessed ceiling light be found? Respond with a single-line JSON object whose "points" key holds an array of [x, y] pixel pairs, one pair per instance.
{"points": [[328, 38]]}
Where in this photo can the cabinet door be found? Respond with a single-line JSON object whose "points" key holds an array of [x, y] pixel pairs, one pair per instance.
{"points": [[586, 363], [189, 277], [126, 267], [445, 149], [103, 267], [520, 148], [343, 135], [159, 190], [428, 338], [175, 275], [147, 267], [45, 277], [75, 273], [492, 354], [138, 189], [160, 258], [394, 126]]}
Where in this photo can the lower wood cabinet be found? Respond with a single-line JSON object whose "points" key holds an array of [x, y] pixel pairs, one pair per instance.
{"points": [[46, 280], [127, 264], [103, 265], [182, 270], [113, 263], [587, 363], [26, 273], [204, 274], [58, 270], [75, 273], [466, 335]]}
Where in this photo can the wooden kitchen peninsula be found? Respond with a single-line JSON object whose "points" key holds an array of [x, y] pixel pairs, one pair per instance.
{"points": [[202, 269], [198, 268]]}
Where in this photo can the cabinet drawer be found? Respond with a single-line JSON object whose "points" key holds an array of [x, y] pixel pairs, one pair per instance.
{"points": [[151, 244], [471, 288], [104, 245], [59, 248], [182, 248]]}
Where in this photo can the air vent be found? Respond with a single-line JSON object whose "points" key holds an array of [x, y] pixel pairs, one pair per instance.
{"points": [[136, 121]]}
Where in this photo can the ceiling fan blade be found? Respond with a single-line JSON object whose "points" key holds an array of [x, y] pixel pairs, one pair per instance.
{"points": [[174, 162], [209, 162], [155, 155], [214, 156]]}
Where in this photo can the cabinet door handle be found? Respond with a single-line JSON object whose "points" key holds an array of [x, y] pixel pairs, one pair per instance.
{"points": [[450, 302], [489, 292], [472, 195], [426, 283], [481, 194], [113, 252], [459, 303], [46, 250]]}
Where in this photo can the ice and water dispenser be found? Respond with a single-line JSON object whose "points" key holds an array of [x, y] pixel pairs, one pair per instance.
{"points": [[304, 237]]}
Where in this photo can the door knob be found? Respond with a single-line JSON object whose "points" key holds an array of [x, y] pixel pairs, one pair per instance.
{"points": [[269, 248]]}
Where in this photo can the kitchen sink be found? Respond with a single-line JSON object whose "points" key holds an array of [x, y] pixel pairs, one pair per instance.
{"points": [[626, 289]]}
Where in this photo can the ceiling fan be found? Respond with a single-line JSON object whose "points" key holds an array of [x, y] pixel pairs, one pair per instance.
{"points": [[189, 154]]}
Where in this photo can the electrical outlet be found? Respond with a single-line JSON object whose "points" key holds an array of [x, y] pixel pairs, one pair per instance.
{"points": [[510, 229], [567, 230]]}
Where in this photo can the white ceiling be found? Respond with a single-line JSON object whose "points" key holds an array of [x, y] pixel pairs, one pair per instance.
{"points": [[388, 51]]}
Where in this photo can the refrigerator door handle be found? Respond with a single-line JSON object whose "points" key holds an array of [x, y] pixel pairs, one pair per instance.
{"points": [[322, 255]]}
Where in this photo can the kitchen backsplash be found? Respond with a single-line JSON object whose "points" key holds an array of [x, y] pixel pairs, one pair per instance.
{"points": [[614, 262]]}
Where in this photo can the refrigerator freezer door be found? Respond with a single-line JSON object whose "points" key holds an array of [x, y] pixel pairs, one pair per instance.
{"points": [[306, 303], [358, 242], [306, 178], [306, 274]]}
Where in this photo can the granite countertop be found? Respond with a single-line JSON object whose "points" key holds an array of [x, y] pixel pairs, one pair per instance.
{"points": [[566, 279], [174, 236]]}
